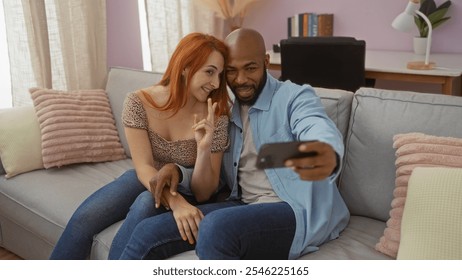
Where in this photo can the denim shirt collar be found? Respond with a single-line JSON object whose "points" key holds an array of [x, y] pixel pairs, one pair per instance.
{"points": [[263, 102]]}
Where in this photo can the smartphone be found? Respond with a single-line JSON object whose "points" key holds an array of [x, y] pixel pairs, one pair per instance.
{"points": [[273, 155]]}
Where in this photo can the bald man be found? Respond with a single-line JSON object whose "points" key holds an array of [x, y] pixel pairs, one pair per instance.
{"points": [[286, 212], [279, 213]]}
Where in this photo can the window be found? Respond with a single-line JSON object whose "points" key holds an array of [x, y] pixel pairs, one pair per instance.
{"points": [[146, 50], [5, 84]]}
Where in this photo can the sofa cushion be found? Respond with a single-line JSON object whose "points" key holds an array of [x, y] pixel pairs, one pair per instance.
{"points": [[431, 227], [120, 82], [39, 203], [76, 127], [415, 150], [20, 141], [368, 176], [338, 106], [356, 242]]}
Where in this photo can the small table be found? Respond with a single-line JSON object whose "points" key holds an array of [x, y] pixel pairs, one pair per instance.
{"points": [[391, 65]]}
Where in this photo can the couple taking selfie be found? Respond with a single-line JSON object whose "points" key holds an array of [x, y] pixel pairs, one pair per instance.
{"points": [[189, 142]]}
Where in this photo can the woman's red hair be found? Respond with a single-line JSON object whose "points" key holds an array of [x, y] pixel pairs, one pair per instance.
{"points": [[192, 52]]}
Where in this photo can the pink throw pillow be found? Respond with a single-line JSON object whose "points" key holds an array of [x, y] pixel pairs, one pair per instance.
{"points": [[76, 127], [413, 150]]}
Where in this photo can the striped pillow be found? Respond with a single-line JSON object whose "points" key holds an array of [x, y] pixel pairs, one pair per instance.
{"points": [[76, 127]]}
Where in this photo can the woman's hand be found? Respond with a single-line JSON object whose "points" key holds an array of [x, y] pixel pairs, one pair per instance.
{"points": [[187, 218], [203, 130]]}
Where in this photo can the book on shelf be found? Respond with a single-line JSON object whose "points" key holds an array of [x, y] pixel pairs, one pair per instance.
{"points": [[304, 27], [294, 26], [289, 27], [325, 24], [310, 25], [313, 25]]}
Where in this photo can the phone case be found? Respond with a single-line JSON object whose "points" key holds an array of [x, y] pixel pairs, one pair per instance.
{"points": [[273, 155]]}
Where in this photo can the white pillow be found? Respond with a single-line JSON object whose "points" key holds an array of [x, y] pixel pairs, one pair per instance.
{"points": [[20, 141], [431, 227]]}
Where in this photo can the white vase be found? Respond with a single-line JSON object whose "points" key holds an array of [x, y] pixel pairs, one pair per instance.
{"points": [[420, 45]]}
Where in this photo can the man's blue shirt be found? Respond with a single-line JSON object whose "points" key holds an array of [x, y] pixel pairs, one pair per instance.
{"points": [[289, 112]]}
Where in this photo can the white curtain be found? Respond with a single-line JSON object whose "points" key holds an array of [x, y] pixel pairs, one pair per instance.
{"points": [[170, 20], [58, 44]]}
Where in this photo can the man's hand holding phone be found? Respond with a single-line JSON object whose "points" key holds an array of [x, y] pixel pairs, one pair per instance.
{"points": [[316, 167], [312, 160]]}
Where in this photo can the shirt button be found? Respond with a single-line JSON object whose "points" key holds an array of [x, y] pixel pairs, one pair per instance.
{"points": [[235, 164]]}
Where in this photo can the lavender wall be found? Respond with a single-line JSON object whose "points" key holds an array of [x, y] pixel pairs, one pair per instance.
{"points": [[123, 34], [369, 20]]}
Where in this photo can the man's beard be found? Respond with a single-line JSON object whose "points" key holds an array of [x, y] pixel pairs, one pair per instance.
{"points": [[258, 91]]}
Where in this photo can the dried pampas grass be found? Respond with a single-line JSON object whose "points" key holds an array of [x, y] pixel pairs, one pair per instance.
{"points": [[231, 10]]}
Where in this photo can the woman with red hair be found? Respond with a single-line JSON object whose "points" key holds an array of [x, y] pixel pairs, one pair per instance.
{"points": [[179, 123]]}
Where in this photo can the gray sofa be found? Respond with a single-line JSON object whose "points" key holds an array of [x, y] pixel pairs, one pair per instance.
{"points": [[35, 206]]}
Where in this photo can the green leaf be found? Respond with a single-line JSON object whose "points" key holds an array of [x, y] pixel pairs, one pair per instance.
{"points": [[427, 7], [421, 27], [441, 21], [444, 5], [437, 15]]}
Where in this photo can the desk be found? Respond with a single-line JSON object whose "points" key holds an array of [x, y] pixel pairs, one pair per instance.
{"points": [[391, 65]]}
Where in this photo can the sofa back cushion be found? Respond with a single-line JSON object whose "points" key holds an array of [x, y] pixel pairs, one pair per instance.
{"points": [[338, 106], [120, 82], [368, 176]]}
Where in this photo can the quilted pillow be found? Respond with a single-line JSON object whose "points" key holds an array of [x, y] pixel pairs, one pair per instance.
{"points": [[76, 127], [414, 150], [431, 226]]}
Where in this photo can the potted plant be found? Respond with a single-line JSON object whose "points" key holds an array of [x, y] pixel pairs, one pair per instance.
{"points": [[436, 15]]}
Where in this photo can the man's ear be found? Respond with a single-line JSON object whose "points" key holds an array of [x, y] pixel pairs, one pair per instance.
{"points": [[267, 60]]}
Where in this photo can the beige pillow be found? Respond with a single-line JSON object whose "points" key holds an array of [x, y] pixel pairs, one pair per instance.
{"points": [[20, 143], [414, 150], [431, 228], [76, 127]]}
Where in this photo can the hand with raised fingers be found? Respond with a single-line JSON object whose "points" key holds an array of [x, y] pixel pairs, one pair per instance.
{"points": [[203, 129]]}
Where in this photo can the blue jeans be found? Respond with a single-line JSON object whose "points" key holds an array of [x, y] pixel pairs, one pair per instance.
{"points": [[230, 230], [103, 208], [254, 231], [142, 208]]}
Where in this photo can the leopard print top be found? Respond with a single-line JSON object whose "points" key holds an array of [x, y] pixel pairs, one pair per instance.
{"points": [[182, 152]]}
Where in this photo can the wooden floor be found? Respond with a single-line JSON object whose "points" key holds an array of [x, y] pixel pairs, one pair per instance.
{"points": [[7, 255]]}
